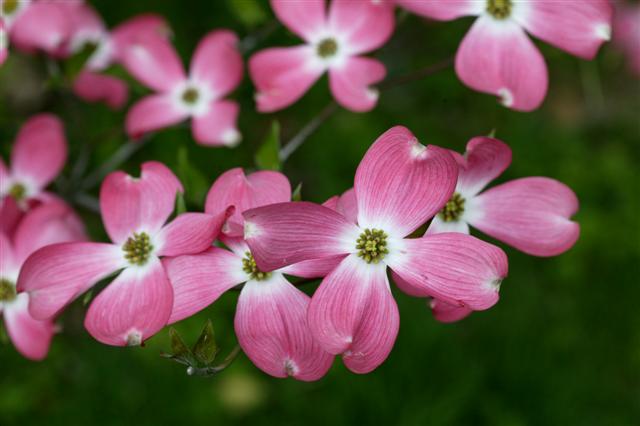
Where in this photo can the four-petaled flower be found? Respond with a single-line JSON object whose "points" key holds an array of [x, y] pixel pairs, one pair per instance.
{"points": [[399, 185]]}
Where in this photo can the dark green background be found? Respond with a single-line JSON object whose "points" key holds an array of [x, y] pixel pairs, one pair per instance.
{"points": [[561, 347]]}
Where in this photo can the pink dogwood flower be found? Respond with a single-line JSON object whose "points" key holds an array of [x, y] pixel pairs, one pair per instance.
{"points": [[90, 30], [138, 302], [38, 25], [4, 42], [497, 57], [49, 223], [271, 317], [335, 40], [39, 154], [399, 185], [626, 33], [216, 70], [531, 214]]}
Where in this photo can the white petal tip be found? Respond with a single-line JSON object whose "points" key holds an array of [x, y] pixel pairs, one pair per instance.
{"points": [[603, 31], [250, 230], [506, 97], [373, 94], [290, 368], [231, 138], [134, 338], [495, 284], [418, 150]]}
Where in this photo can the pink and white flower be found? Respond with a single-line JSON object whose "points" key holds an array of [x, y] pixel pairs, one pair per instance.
{"points": [[399, 185], [216, 70], [497, 57], [4, 42], [48, 223], [138, 302], [626, 33], [531, 214], [90, 30], [271, 318], [334, 42], [38, 156]]}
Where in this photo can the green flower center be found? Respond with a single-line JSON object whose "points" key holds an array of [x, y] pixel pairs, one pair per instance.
{"points": [[327, 48], [7, 291], [499, 9], [9, 6], [190, 96], [372, 245], [250, 267], [137, 249], [453, 209], [18, 191]]}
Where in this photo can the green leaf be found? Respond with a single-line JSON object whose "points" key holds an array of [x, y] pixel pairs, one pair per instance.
{"points": [[178, 347], [181, 205], [87, 298], [77, 61], [297, 193], [205, 349], [196, 183], [268, 155], [492, 133], [249, 12]]}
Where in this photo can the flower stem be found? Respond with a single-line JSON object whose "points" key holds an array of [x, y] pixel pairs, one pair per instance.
{"points": [[300, 137]]}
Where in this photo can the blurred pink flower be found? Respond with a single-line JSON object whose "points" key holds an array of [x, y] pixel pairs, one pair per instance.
{"points": [[138, 302], [335, 40], [4, 42], [49, 223], [38, 156], [626, 33], [271, 317], [399, 185], [216, 70], [497, 57], [90, 30]]}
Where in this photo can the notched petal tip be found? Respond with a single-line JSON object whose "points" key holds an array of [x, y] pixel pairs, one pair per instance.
{"points": [[134, 338]]}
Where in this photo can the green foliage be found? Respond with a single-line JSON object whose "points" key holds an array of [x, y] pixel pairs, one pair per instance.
{"points": [[268, 155]]}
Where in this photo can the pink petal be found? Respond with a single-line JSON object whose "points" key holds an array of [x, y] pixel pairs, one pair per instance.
{"points": [[134, 307], [93, 87], [43, 25], [286, 233], [130, 204], [626, 33], [57, 274], [153, 61], [365, 25], [353, 313], [30, 336], [350, 84], [217, 62], [484, 160], [50, 223], [198, 280], [306, 19], [271, 325], [282, 76], [152, 113], [316, 268], [219, 126], [8, 260], [456, 268], [348, 205], [145, 25], [234, 189], [40, 150], [10, 215], [531, 214], [400, 184], [580, 28], [189, 233], [443, 10], [445, 312], [499, 58]]}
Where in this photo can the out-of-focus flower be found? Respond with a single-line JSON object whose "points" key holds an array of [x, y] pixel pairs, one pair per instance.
{"points": [[216, 70], [49, 223], [89, 31], [39, 154], [138, 302], [531, 214], [4, 42], [399, 185], [34, 25], [335, 40], [271, 317], [626, 33], [497, 57]]}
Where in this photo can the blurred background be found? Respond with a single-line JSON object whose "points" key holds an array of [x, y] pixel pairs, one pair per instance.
{"points": [[561, 347]]}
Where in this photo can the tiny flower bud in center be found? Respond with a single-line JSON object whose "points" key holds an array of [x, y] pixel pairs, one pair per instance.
{"points": [[137, 249], [9, 6], [190, 96], [453, 209], [250, 267], [499, 9], [18, 191], [372, 245], [327, 48], [7, 291]]}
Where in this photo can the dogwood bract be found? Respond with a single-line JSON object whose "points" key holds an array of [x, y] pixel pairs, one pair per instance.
{"points": [[138, 302], [335, 39], [496, 56], [399, 185]]}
